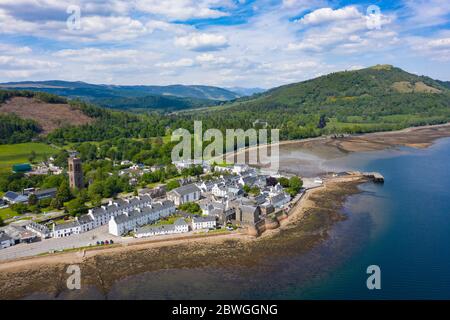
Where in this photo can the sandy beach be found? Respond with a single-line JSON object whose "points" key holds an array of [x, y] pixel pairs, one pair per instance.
{"points": [[416, 137]]}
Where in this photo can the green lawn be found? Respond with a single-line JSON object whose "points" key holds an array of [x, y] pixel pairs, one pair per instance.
{"points": [[7, 213], [18, 153]]}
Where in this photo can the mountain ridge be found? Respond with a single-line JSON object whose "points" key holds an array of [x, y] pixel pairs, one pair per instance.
{"points": [[171, 97]]}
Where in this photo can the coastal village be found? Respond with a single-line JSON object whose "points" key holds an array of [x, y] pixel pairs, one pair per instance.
{"points": [[238, 198]]}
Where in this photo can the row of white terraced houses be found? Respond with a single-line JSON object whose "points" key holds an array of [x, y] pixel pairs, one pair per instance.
{"points": [[123, 215]]}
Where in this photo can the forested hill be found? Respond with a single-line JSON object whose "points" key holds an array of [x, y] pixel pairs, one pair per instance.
{"points": [[27, 115], [165, 98], [378, 98]]}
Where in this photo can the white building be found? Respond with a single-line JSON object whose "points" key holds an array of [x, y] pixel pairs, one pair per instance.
{"points": [[42, 231], [203, 223], [183, 194], [5, 241], [219, 190], [80, 225], [279, 200], [128, 221], [103, 214], [179, 226]]}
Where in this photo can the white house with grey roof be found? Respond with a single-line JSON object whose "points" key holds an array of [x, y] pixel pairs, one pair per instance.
{"points": [[103, 214], [5, 241], [128, 221], [183, 194], [179, 226], [280, 199], [41, 230], [199, 223]]}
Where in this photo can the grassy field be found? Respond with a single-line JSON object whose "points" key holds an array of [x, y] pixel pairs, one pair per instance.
{"points": [[18, 153], [7, 213]]}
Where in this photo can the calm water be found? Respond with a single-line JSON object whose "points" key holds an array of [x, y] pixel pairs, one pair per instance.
{"points": [[402, 226], [408, 227]]}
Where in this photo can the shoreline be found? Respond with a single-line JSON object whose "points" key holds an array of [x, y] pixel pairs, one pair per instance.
{"points": [[222, 250], [416, 137], [306, 226]]}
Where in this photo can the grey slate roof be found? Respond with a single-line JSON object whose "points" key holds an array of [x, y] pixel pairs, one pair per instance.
{"points": [[45, 192], [67, 225], [39, 227], [147, 229], [4, 237], [185, 190], [14, 196], [203, 219], [277, 198], [180, 222], [85, 219]]}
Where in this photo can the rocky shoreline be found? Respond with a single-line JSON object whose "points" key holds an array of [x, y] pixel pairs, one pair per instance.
{"points": [[306, 226]]}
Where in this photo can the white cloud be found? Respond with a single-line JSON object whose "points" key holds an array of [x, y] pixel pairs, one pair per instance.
{"points": [[437, 49], [425, 13], [94, 54], [329, 15], [202, 42], [11, 49], [182, 63], [342, 30], [183, 9]]}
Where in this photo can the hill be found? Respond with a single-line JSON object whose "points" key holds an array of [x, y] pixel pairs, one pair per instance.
{"points": [[246, 91], [378, 98], [171, 97], [26, 114]]}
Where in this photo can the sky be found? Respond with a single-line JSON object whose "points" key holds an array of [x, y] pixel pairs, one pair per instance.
{"points": [[244, 43]]}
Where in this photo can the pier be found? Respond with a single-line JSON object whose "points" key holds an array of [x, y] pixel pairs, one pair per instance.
{"points": [[375, 176]]}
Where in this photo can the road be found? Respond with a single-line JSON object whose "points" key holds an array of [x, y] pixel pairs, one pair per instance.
{"points": [[74, 241]]}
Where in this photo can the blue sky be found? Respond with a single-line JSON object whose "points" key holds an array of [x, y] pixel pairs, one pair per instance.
{"points": [[247, 43]]}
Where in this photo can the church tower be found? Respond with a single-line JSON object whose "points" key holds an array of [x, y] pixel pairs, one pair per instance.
{"points": [[75, 173]]}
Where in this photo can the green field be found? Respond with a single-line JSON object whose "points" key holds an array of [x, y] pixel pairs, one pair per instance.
{"points": [[18, 153], [7, 213]]}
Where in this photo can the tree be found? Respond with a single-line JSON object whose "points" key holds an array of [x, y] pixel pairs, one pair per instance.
{"points": [[254, 191], [95, 190], [190, 207], [32, 200], [76, 207], [295, 184], [32, 156], [63, 194], [57, 203], [322, 122], [20, 208], [1, 222], [271, 181], [173, 184], [284, 182]]}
